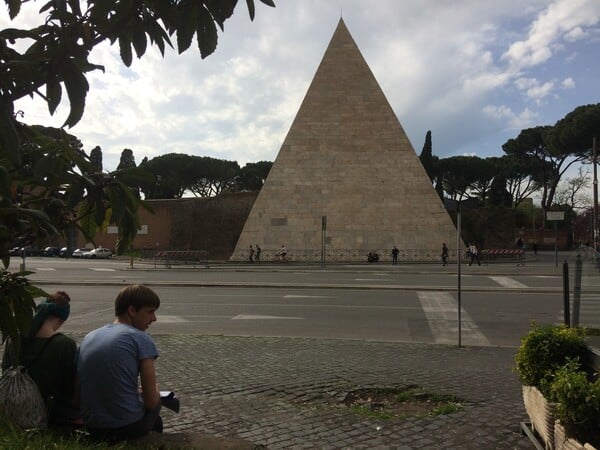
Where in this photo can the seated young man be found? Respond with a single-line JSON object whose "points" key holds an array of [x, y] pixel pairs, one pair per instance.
{"points": [[110, 362]]}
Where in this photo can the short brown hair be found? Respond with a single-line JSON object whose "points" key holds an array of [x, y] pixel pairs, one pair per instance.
{"points": [[136, 295]]}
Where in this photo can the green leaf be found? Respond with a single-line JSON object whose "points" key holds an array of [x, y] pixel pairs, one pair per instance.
{"points": [[139, 41], [250, 4], [53, 94], [125, 49], [77, 88], [206, 33], [186, 29], [9, 139], [14, 7], [268, 3]]}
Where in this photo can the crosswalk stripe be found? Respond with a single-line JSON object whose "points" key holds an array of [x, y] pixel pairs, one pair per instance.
{"points": [[508, 282], [441, 311]]}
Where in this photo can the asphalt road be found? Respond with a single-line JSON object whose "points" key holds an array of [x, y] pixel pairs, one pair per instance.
{"points": [[377, 303]]}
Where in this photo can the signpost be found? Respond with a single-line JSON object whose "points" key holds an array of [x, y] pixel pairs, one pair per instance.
{"points": [[555, 216]]}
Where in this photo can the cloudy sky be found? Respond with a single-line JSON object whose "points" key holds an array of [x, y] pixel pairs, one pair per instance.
{"points": [[474, 72]]}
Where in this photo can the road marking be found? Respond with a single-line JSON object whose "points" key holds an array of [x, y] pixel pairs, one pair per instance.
{"points": [[259, 317], [101, 269], [367, 279], [44, 269], [508, 282], [307, 296], [170, 319], [441, 311]]}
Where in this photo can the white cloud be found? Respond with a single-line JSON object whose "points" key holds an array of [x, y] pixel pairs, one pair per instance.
{"points": [[562, 19], [568, 83], [442, 65]]}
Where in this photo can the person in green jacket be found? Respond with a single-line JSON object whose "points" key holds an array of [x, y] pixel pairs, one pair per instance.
{"points": [[50, 358]]}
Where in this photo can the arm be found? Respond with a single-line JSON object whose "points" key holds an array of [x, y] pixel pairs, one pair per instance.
{"points": [[150, 394]]}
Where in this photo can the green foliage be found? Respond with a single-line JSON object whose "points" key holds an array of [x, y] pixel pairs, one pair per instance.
{"points": [[252, 176], [12, 437], [16, 304], [56, 53], [578, 402], [47, 183], [545, 349], [427, 159]]}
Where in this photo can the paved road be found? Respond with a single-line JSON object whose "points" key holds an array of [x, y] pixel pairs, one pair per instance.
{"points": [[286, 392]]}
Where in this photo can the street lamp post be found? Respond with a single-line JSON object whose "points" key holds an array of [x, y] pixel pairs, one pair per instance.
{"points": [[595, 218]]}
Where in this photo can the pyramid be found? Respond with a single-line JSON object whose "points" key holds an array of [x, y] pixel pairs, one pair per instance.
{"points": [[346, 157]]}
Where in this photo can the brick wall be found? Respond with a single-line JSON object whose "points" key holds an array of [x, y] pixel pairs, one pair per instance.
{"points": [[213, 224]]}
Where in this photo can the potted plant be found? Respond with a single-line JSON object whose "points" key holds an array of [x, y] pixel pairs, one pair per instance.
{"points": [[577, 392], [543, 351]]}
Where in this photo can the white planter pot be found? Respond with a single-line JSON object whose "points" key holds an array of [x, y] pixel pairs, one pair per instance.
{"points": [[563, 442], [541, 413]]}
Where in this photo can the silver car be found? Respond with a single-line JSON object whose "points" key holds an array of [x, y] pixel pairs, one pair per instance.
{"points": [[98, 253]]}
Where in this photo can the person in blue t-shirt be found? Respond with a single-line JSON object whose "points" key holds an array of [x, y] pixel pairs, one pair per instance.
{"points": [[110, 362]]}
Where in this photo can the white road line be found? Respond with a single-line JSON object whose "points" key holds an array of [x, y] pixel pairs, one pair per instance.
{"points": [[170, 319], [441, 311], [508, 282], [307, 296], [259, 317], [101, 269], [44, 269]]}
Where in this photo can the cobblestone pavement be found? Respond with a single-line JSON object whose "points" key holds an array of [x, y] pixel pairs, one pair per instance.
{"points": [[286, 393]]}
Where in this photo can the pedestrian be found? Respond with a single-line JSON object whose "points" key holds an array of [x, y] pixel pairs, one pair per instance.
{"points": [[115, 368], [444, 254], [258, 250], [474, 254], [395, 252], [251, 255], [520, 244], [535, 247], [282, 253], [49, 358]]}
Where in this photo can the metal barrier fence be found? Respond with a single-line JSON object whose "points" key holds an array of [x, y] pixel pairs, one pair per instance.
{"points": [[176, 257], [349, 255]]}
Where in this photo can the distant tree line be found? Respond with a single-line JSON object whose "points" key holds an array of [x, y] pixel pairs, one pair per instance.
{"points": [[175, 174], [533, 162]]}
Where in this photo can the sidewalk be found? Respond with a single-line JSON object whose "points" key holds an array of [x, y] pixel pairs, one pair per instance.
{"points": [[286, 393]]}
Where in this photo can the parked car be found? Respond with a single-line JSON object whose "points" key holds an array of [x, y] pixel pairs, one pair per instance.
{"points": [[51, 251], [30, 250], [65, 252], [98, 253], [78, 252]]}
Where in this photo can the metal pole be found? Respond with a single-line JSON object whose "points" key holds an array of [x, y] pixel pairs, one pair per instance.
{"points": [[577, 291], [323, 231], [458, 256], [566, 294], [595, 218], [555, 246]]}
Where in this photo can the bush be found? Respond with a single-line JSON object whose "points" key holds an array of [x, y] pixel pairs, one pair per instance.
{"points": [[578, 400], [544, 350]]}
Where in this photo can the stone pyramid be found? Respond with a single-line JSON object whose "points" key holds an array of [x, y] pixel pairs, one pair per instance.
{"points": [[346, 157]]}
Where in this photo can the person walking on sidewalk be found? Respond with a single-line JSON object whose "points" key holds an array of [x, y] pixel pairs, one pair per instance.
{"points": [[251, 255], [474, 254], [258, 250], [395, 252], [444, 254]]}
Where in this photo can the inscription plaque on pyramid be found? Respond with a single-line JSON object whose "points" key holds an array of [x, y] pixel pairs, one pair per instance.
{"points": [[346, 157]]}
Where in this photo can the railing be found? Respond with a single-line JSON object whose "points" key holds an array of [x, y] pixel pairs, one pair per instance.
{"points": [[349, 255], [177, 257]]}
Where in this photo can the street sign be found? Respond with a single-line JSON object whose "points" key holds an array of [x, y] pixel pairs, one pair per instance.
{"points": [[555, 215]]}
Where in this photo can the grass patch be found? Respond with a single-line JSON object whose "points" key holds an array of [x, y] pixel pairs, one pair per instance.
{"points": [[400, 402]]}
